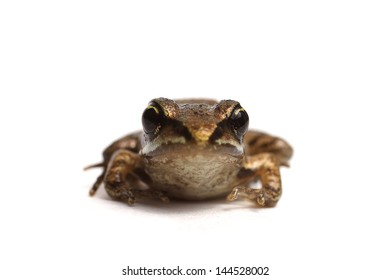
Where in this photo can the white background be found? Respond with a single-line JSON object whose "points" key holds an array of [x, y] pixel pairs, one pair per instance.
{"points": [[76, 75]]}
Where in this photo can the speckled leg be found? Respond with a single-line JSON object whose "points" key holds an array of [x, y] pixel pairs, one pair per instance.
{"points": [[266, 168], [117, 180], [97, 184], [122, 155], [129, 142], [258, 142]]}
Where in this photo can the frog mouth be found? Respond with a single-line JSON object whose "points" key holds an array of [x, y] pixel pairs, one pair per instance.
{"points": [[181, 145]]}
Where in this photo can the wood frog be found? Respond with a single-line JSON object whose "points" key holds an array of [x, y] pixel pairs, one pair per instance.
{"points": [[194, 150]]}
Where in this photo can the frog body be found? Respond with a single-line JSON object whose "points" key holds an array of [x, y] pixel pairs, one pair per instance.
{"points": [[194, 150]]}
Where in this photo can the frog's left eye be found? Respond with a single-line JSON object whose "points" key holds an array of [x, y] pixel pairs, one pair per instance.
{"points": [[152, 118], [239, 121]]}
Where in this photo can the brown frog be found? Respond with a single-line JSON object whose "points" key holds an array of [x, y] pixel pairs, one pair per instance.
{"points": [[194, 150]]}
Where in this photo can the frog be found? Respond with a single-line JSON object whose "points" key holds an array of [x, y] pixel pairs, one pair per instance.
{"points": [[194, 150]]}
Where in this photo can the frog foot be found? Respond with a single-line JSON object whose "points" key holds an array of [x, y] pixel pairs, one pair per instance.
{"points": [[124, 191], [132, 195], [263, 197], [149, 193]]}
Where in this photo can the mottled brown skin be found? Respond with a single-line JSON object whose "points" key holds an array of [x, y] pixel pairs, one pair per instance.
{"points": [[199, 132]]}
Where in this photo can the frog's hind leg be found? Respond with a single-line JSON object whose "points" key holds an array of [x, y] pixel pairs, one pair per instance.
{"points": [[99, 179], [121, 181], [258, 142]]}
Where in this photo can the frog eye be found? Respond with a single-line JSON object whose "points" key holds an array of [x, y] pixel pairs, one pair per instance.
{"points": [[239, 121], [152, 118]]}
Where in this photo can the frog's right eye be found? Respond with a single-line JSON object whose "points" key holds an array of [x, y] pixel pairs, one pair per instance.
{"points": [[152, 118], [239, 121]]}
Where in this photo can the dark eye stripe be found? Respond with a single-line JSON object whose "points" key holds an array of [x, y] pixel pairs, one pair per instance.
{"points": [[218, 132]]}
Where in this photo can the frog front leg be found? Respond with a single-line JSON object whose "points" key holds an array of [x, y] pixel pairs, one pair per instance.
{"points": [[129, 142], [265, 154], [121, 180], [121, 165]]}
